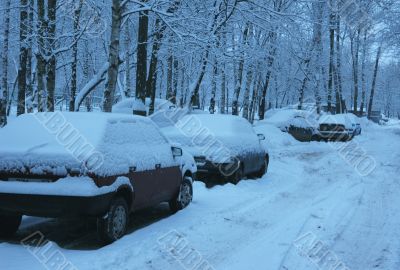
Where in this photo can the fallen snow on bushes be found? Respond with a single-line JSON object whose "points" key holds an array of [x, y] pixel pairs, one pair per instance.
{"points": [[310, 193]]}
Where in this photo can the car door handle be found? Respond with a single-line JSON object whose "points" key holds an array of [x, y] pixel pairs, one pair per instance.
{"points": [[158, 166]]}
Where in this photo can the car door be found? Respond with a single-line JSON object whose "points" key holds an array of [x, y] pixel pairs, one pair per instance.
{"points": [[144, 185], [254, 159], [125, 144], [168, 171]]}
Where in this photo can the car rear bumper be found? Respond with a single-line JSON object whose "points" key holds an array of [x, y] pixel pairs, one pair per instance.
{"points": [[55, 206]]}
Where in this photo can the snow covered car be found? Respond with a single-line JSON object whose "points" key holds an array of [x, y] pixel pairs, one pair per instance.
{"points": [[89, 165], [303, 129], [335, 128], [221, 145], [354, 123]]}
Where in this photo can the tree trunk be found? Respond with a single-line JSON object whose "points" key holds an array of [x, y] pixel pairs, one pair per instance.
{"points": [[175, 80], [23, 56], [246, 101], [4, 82], [128, 88], [170, 63], [152, 77], [74, 66], [363, 75], [159, 35], [318, 11], [355, 56], [195, 99], [40, 59], [339, 84], [223, 90], [371, 97], [30, 95], [113, 59], [141, 71], [239, 79], [211, 109], [51, 72], [303, 90], [270, 63], [331, 56]]}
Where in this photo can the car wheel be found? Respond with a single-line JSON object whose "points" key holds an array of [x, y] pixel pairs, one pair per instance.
{"points": [[9, 224], [185, 196], [113, 226], [264, 168], [237, 176]]}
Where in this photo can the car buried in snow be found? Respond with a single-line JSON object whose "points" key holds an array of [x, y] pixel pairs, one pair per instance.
{"points": [[222, 145], [89, 165], [336, 128], [355, 123]]}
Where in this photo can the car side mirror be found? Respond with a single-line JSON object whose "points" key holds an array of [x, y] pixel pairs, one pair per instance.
{"points": [[176, 151], [261, 137]]}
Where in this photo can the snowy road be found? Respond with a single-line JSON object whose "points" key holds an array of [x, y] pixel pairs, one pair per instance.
{"points": [[310, 191]]}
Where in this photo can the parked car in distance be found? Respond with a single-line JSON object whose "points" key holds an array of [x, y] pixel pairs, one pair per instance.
{"points": [[355, 123], [222, 145], [335, 128], [303, 129], [89, 165]]}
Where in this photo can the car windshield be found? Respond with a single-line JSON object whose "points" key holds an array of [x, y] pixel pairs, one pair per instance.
{"points": [[221, 125]]}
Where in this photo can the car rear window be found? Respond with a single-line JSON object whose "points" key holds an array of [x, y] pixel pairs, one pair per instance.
{"points": [[137, 132]]}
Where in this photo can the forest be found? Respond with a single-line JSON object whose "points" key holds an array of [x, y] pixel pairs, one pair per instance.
{"points": [[224, 56]]}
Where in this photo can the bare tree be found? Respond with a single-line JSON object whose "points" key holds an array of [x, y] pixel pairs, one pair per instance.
{"points": [[141, 71], [128, 82], [332, 26], [23, 57], [355, 49], [74, 65], [4, 81], [52, 61], [113, 57], [374, 78]]}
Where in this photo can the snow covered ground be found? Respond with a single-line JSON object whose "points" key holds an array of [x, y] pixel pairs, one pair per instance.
{"points": [[311, 211]]}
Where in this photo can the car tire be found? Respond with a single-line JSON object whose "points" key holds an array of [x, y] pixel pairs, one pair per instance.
{"points": [[113, 226], [9, 224], [264, 168], [185, 196], [237, 176]]}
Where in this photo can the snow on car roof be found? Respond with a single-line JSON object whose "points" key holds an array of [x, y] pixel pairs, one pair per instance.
{"points": [[126, 106], [38, 132], [212, 134], [341, 119], [283, 118], [223, 124], [107, 144]]}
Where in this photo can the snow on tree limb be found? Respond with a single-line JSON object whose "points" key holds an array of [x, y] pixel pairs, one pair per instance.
{"points": [[91, 85]]}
